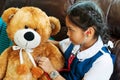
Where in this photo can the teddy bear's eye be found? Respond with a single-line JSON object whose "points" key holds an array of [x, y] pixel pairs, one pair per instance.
{"points": [[35, 29], [26, 27]]}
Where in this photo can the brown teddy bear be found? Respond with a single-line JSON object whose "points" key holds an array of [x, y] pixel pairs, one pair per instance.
{"points": [[29, 28]]}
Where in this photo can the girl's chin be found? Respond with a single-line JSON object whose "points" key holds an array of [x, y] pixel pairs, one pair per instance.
{"points": [[74, 42]]}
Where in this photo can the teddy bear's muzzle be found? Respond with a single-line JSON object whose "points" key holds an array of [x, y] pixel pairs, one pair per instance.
{"points": [[27, 38]]}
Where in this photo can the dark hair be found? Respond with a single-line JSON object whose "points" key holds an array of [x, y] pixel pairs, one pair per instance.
{"points": [[86, 14]]}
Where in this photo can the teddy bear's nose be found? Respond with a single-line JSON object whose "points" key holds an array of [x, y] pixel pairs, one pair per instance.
{"points": [[29, 36]]}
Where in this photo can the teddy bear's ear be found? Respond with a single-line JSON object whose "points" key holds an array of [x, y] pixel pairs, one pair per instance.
{"points": [[8, 14], [55, 25]]}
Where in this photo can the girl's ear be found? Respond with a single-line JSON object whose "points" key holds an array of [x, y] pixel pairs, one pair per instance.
{"points": [[90, 31], [55, 25], [8, 14]]}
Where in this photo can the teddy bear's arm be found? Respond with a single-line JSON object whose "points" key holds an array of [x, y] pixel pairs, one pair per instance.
{"points": [[55, 56], [3, 62]]}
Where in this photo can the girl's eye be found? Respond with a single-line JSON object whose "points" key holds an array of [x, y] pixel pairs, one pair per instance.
{"points": [[26, 27], [70, 29]]}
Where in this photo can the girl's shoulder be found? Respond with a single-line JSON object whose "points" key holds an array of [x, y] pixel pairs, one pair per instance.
{"points": [[64, 44]]}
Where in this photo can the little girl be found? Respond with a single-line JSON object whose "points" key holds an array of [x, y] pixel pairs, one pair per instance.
{"points": [[87, 56]]}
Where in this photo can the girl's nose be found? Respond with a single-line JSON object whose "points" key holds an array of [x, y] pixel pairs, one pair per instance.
{"points": [[68, 34]]}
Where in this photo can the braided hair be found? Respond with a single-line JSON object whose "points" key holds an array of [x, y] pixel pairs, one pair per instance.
{"points": [[86, 14]]}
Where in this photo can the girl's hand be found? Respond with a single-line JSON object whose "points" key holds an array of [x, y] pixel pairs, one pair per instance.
{"points": [[45, 64]]}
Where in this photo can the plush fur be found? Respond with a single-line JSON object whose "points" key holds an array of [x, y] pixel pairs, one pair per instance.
{"points": [[38, 27]]}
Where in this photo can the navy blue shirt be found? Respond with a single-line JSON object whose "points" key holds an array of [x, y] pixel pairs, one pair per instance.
{"points": [[79, 68]]}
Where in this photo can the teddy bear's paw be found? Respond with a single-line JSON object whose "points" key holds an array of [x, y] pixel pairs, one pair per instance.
{"points": [[22, 69], [37, 72]]}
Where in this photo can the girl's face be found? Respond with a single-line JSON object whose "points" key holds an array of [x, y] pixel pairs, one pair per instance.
{"points": [[76, 34]]}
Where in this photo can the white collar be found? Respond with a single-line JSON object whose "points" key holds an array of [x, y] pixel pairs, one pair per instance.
{"points": [[90, 51]]}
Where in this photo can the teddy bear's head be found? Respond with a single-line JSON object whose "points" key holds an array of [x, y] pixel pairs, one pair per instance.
{"points": [[27, 27]]}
